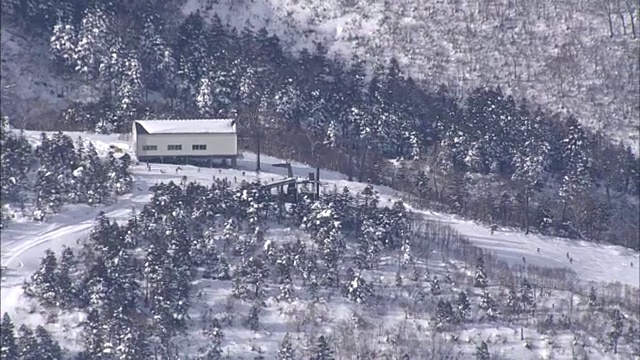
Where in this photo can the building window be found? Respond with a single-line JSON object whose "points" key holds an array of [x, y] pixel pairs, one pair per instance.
{"points": [[174, 147], [149, 147], [198, 147]]}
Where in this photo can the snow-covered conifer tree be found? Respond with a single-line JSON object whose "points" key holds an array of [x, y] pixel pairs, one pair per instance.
{"points": [[444, 313], [357, 289], [63, 44], [513, 302], [286, 290], [129, 92], [44, 284], [526, 294], [63, 276], [49, 193], [286, 352], [482, 351], [322, 350], [488, 305], [592, 297], [118, 173], [530, 160], [616, 330], [204, 98], [480, 276], [577, 158], [8, 345], [93, 40], [253, 319], [435, 286], [462, 307], [48, 348], [27, 343]]}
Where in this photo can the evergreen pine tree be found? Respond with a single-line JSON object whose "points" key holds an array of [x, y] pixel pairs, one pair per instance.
{"points": [[156, 56], [435, 286], [488, 305], [422, 185], [322, 350], [398, 279], [16, 160], [129, 93], [48, 348], [63, 277], [204, 99], [444, 313], [93, 177], [482, 351], [253, 320], [414, 275], [63, 44], [118, 173], [27, 344], [48, 193], [480, 276], [286, 290], [44, 284], [357, 289], [513, 302], [134, 343], [95, 338], [576, 158], [592, 297], [93, 42], [215, 335], [526, 294], [462, 307], [8, 346], [285, 352], [616, 330]]}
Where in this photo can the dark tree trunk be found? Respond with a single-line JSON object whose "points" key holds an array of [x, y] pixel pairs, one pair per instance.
{"points": [[258, 152], [526, 211]]}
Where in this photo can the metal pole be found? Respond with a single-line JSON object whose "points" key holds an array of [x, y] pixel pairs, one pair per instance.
{"points": [[317, 183]]}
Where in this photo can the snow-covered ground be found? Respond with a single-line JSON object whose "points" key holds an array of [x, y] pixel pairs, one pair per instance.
{"points": [[24, 242]]}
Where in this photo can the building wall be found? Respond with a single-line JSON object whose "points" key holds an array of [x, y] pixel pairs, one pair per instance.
{"points": [[216, 144]]}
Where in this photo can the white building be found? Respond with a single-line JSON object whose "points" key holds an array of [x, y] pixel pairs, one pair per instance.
{"points": [[182, 140]]}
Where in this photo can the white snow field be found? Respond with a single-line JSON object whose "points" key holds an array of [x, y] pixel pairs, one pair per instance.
{"points": [[24, 242]]}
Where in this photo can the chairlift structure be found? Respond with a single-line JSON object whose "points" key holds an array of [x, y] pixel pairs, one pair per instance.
{"points": [[293, 189]]}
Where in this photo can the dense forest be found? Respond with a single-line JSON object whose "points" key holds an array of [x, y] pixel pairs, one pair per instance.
{"points": [[486, 156], [57, 172], [143, 283]]}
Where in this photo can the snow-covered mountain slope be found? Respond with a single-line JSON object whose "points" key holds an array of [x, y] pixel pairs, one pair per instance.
{"points": [[21, 243], [591, 262], [562, 55], [24, 243], [30, 88]]}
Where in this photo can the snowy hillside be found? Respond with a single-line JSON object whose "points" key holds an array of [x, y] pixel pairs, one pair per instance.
{"points": [[24, 243], [592, 262], [31, 90], [563, 55]]}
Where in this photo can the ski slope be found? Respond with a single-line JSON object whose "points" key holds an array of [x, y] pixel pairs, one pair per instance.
{"points": [[23, 243]]}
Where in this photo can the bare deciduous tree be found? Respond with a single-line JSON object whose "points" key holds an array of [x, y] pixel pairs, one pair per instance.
{"points": [[606, 8], [633, 10]]}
